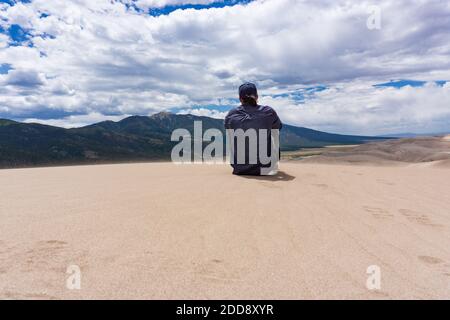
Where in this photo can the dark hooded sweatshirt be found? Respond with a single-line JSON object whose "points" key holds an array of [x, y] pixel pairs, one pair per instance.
{"points": [[251, 117]]}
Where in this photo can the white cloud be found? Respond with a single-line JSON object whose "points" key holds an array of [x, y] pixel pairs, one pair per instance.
{"points": [[24, 78], [359, 108], [76, 121], [20, 14], [202, 112], [3, 41], [100, 57]]}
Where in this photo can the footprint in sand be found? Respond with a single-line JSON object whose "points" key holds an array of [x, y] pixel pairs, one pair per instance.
{"points": [[321, 185], [388, 183], [418, 218], [28, 259], [430, 260], [438, 264], [55, 242], [43, 254], [378, 213], [216, 270]]}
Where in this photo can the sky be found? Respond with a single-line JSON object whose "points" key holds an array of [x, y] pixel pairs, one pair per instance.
{"points": [[353, 67]]}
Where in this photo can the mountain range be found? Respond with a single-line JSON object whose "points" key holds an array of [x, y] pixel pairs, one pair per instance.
{"points": [[136, 138]]}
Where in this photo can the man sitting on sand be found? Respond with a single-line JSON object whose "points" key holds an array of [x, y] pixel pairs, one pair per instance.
{"points": [[250, 115]]}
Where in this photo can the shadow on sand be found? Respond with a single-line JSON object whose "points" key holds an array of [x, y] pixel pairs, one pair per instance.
{"points": [[281, 176]]}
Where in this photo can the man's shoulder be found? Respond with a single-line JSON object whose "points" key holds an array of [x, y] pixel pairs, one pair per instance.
{"points": [[234, 111], [260, 109], [266, 109]]}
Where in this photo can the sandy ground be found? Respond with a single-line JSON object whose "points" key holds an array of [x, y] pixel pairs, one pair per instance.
{"points": [[196, 232], [434, 150]]}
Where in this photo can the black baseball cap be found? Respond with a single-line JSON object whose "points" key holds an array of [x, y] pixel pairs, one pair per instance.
{"points": [[248, 90]]}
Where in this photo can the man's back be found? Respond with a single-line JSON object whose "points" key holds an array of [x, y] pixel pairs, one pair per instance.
{"points": [[255, 117]]}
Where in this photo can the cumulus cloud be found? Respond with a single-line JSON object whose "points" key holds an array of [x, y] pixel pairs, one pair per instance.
{"points": [[203, 112], [359, 108], [104, 57], [3, 41], [24, 78]]}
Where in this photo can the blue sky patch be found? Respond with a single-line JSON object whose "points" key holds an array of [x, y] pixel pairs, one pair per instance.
{"points": [[13, 2], [300, 95], [43, 114], [133, 7], [17, 34], [4, 68], [10, 2], [218, 4], [412, 83]]}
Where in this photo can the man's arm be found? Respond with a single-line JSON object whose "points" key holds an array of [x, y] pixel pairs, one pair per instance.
{"points": [[227, 121], [276, 121]]}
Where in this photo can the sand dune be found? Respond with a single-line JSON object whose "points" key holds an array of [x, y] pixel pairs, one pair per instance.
{"points": [[391, 152], [197, 232]]}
